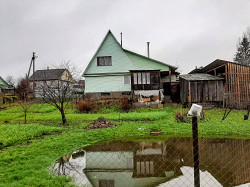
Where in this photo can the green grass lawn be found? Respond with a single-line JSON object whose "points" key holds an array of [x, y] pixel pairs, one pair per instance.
{"points": [[19, 133], [27, 164]]}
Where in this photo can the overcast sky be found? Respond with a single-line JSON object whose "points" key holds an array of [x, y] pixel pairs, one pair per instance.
{"points": [[185, 33]]}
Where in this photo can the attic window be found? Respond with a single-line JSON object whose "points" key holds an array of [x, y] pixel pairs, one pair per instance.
{"points": [[104, 61]]}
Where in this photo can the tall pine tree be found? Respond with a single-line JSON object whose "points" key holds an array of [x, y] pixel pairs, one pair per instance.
{"points": [[242, 55]]}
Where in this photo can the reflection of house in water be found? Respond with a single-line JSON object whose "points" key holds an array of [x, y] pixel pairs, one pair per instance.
{"points": [[130, 164], [153, 163]]}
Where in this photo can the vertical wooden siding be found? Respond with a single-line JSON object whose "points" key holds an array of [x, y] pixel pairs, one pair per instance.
{"points": [[201, 91], [238, 85]]}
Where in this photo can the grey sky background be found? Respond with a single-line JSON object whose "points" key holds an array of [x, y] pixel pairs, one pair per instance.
{"points": [[185, 33]]}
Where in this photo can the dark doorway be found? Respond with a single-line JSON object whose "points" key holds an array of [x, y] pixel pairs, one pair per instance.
{"points": [[166, 88]]}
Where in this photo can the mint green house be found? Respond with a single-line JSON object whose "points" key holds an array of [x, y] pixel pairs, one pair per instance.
{"points": [[5, 87], [114, 72]]}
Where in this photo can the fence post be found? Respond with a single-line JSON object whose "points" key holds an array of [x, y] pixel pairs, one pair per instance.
{"points": [[196, 152]]}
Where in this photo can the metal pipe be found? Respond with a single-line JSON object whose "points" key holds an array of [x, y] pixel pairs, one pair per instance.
{"points": [[121, 38], [148, 48]]}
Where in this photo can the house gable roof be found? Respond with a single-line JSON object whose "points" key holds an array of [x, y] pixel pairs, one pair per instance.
{"points": [[147, 63], [4, 84], [48, 74], [110, 47], [122, 60]]}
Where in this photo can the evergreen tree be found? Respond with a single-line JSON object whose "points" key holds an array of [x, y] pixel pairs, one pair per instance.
{"points": [[242, 55]]}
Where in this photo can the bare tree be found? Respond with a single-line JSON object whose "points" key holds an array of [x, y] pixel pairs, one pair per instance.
{"points": [[23, 89], [23, 92], [10, 80], [74, 70], [57, 92]]}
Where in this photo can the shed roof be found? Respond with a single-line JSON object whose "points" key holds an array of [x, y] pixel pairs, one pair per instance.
{"points": [[48, 74], [200, 77], [217, 63]]}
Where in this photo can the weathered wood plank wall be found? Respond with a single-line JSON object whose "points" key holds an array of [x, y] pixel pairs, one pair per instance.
{"points": [[237, 85], [201, 91]]}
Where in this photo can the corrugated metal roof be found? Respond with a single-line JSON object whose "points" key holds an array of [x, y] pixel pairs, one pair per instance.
{"points": [[200, 77], [48, 74]]}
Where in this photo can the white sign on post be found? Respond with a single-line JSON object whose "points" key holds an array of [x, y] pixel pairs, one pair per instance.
{"points": [[195, 111]]}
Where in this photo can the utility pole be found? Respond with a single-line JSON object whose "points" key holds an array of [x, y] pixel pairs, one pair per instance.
{"points": [[32, 62]]}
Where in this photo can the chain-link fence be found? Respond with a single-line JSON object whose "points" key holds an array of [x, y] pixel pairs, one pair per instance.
{"points": [[222, 162]]}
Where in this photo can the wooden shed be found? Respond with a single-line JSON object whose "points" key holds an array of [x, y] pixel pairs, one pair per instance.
{"points": [[237, 81], [201, 88]]}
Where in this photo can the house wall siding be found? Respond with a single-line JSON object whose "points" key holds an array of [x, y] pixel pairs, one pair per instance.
{"points": [[109, 83], [120, 61]]}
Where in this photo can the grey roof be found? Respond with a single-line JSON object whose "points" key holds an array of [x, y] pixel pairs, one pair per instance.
{"points": [[48, 74], [200, 77], [217, 63]]}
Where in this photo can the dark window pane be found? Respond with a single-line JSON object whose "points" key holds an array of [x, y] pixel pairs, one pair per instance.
{"points": [[105, 94], [104, 61]]}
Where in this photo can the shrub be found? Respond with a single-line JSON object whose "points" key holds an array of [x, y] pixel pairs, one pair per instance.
{"points": [[126, 104], [181, 117], [85, 106]]}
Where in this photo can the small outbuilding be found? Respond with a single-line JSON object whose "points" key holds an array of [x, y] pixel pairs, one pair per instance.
{"points": [[201, 88]]}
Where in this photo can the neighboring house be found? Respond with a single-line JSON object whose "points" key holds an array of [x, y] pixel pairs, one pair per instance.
{"points": [[54, 78], [78, 88], [236, 81], [5, 87], [114, 72]]}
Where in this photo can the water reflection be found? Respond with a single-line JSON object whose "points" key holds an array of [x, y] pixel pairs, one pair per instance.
{"points": [[222, 163]]}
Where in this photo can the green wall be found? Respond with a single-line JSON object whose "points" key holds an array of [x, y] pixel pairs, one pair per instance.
{"points": [[120, 61], [109, 83]]}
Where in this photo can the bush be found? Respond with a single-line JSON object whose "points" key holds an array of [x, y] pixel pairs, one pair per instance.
{"points": [[85, 106], [181, 117], [126, 104]]}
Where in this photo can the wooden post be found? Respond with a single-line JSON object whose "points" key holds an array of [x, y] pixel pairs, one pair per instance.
{"points": [[247, 115], [196, 152]]}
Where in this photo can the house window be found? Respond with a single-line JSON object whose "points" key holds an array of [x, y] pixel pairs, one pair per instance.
{"points": [[141, 78], [105, 94], [135, 78], [127, 79], [154, 79], [104, 61], [148, 78]]}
